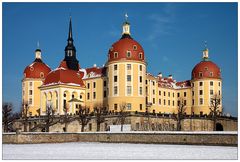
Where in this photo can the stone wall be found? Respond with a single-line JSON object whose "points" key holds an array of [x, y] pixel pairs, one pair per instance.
{"points": [[143, 123], [188, 138]]}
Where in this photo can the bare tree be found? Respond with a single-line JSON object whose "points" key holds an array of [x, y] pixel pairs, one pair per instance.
{"points": [[215, 105], [66, 118], [83, 116], [122, 115], [100, 113], [6, 116], [181, 111], [49, 118]]}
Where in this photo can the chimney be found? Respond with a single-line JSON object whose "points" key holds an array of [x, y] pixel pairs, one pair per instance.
{"points": [[170, 77], [94, 65]]}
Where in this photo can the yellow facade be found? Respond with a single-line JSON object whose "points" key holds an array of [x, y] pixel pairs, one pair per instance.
{"points": [[125, 84]]}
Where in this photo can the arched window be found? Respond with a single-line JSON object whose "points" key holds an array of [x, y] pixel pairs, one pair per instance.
{"points": [[41, 75]]}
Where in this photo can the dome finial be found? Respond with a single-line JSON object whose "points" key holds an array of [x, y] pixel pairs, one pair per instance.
{"points": [[38, 51], [126, 28], [205, 52]]}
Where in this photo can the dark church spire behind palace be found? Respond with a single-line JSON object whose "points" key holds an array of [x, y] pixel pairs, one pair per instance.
{"points": [[70, 51]]}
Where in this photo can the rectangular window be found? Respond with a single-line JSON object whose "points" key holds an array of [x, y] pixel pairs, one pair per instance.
{"points": [[164, 102], [173, 103], [88, 85], [30, 92], [129, 90], [164, 93], [115, 67], [168, 94], [129, 67], [129, 78], [94, 84], [200, 92], [140, 90], [192, 93], [211, 74], [153, 83], [153, 100], [185, 102], [115, 107], [140, 67], [159, 93], [146, 81], [200, 83], [115, 90], [192, 84], [115, 78], [219, 84], [94, 95], [129, 106], [153, 92], [178, 94], [211, 92], [105, 83], [200, 74], [30, 101], [140, 79], [140, 106], [192, 102], [211, 83], [30, 84], [173, 94], [140, 55], [159, 101], [201, 101], [105, 94], [219, 92], [168, 102], [185, 94], [88, 96]]}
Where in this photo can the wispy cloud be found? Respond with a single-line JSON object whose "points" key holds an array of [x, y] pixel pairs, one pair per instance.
{"points": [[162, 22]]}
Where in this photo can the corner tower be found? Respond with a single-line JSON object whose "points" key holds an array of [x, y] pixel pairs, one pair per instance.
{"points": [[34, 76], [206, 82], [126, 73]]}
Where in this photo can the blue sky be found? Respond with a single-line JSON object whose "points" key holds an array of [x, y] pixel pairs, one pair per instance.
{"points": [[172, 35]]}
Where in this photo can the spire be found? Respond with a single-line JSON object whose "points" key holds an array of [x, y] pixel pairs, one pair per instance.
{"points": [[205, 52], [38, 52], [70, 50], [70, 30], [126, 28]]}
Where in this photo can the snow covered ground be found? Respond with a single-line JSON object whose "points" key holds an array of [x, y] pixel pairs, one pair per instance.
{"points": [[116, 151]]}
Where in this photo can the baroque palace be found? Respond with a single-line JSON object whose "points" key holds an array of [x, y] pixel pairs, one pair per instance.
{"points": [[122, 81]]}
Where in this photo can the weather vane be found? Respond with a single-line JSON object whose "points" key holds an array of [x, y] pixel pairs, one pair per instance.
{"points": [[38, 46], [205, 44], [126, 16]]}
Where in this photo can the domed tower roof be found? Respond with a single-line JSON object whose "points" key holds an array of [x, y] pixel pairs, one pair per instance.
{"points": [[126, 48], [206, 68], [38, 69]]}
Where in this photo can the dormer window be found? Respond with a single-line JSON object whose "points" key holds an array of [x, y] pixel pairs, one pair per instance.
{"points": [[211, 74], [111, 49], [140, 55], [206, 68], [42, 75], [31, 68], [115, 54], [200, 74], [134, 47], [128, 54]]}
